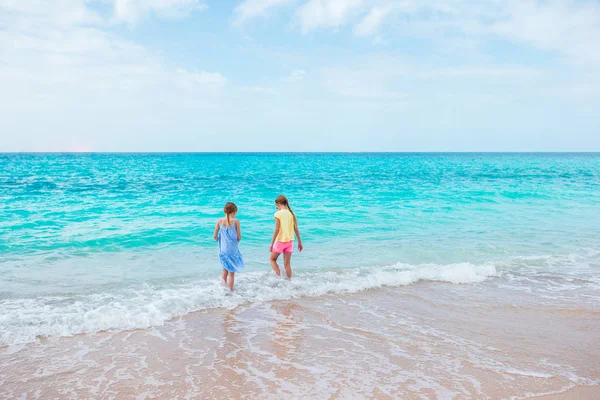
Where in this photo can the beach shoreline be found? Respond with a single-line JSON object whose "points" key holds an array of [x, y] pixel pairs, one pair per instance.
{"points": [[426, 340]]}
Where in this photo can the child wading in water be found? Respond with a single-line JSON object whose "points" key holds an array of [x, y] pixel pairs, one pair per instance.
{"points": [[283, 237], [228, 234]]}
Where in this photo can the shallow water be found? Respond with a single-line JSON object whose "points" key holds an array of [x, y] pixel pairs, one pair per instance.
{"points": [[97, 242], [424, 341]]}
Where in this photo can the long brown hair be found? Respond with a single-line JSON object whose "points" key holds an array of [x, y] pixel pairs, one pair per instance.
{"points": [[229, 208], [281, 199]]}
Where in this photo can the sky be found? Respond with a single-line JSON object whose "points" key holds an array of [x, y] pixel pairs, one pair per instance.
{"points": [[299, 75]]}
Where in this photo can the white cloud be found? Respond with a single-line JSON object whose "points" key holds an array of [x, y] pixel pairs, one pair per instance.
{"points": [[371, 79], [390, 79], [371, 22], [249, 9], [86, 87], [569, 27], [295, 76], [487, 72], [315, 14], [199, 80], [90, 88], [68, 44], [58, 12], [131, 11]]}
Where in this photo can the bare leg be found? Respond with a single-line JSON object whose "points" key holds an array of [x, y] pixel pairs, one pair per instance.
{"points": [[273, 259], [230, 280], [224, 276], [287, 263]]}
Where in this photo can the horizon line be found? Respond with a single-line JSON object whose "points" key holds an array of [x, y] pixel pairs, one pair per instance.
{"points": [[293, 152]]}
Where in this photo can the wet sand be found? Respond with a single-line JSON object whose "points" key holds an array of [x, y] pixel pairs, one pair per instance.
{"points": [[423, 341]]}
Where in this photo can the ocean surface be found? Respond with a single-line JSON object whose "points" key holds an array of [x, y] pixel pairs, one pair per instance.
{"points": [[112, 242]]}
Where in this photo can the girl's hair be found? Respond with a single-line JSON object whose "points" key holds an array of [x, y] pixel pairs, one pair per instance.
{"points": [[229, 208], [281, 199]]}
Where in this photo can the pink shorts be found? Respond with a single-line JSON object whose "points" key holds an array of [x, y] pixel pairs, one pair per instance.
{"points": [[283, 247]]}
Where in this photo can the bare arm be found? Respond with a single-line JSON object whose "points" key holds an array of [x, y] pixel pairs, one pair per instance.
{"points": [[300, 247], [239, 229], [275, 233], [216, 231]]}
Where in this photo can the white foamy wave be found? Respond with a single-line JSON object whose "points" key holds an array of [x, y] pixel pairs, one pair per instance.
{"points": [[25, 320], [529, 373]]}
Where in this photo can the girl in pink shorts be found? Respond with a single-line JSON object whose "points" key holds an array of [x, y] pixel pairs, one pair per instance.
{"points": [[286, 225]]}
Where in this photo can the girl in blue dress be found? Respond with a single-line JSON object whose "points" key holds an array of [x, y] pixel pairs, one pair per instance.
{"points": [[228, 234]]}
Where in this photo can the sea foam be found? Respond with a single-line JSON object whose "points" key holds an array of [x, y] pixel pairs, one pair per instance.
{"points": [[26, 320]]}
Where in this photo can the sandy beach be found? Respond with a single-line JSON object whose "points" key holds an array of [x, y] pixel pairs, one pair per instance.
{"points": [[424, 341]]}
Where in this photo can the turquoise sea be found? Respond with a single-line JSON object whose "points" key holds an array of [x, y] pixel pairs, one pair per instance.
{"points": [[120, 241]]}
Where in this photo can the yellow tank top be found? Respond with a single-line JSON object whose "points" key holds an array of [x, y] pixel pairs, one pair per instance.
{"points": [[286, 227]]}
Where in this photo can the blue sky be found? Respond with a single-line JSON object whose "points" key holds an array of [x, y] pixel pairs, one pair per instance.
{"points": [[300, 75]]}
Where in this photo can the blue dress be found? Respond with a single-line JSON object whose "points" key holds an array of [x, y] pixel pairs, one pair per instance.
{"points": [[229, 251]]}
